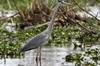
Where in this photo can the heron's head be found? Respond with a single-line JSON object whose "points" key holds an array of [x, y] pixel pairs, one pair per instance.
{"points": [[61, 2]]}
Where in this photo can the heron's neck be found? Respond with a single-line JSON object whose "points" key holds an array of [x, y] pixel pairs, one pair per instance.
{"points": [[50, 27]]}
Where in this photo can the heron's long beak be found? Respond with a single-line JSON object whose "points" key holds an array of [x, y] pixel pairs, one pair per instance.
{"points": [[67, 3]]}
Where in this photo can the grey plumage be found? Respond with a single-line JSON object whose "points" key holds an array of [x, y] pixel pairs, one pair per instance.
{"points": [[40, 39], [35, 42]]}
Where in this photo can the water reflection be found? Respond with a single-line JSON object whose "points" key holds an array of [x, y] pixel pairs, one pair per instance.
{"points": [[55, 56], [51, 56], [60, 56]]}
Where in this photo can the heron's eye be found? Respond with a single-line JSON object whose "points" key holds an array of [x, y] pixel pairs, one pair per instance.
{"points": [[60, 2]]}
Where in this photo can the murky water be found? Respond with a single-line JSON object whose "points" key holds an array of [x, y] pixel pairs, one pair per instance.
{"points": [[51, 56]]}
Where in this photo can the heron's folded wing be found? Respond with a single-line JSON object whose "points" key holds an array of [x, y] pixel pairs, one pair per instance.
{"points": [[35, 42]]}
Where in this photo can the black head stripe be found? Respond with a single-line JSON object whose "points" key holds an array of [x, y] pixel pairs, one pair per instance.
{"points": [[59, 0]]}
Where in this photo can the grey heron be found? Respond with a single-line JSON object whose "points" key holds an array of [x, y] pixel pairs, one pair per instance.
{"points": [[42, 38]]}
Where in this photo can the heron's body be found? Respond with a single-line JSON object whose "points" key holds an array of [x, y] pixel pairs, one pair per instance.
{"points": [[35, 42], [40, 39]]}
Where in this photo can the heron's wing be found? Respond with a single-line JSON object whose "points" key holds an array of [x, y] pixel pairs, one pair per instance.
{"points": [[35, 42]]}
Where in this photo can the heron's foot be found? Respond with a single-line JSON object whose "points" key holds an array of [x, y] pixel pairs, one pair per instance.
{"points": [[36, 59], [39, 58]]}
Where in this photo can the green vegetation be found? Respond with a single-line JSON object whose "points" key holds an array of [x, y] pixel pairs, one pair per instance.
{"points": [[13, 3], [62, 35]]}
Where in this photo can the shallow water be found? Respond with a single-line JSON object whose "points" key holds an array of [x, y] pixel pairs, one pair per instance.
{"points": [[51, 56]]}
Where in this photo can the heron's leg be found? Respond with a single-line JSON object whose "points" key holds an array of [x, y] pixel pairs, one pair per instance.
{"points": [[37, 56], [40, 55]]}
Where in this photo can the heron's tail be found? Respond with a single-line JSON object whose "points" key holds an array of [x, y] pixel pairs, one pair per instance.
{"points": [[23, 49], [20, 50]]}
